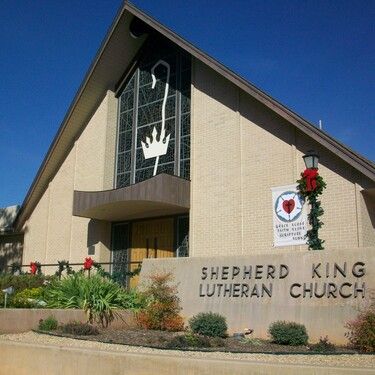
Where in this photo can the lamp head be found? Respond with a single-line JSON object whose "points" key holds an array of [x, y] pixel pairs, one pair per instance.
{"points": [[8, 290], [311, 159]]}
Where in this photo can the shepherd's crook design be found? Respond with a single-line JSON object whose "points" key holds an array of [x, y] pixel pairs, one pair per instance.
{"points": [[155, 148]]}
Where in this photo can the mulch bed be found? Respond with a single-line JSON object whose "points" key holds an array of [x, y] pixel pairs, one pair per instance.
{"points": [[161, 339]]}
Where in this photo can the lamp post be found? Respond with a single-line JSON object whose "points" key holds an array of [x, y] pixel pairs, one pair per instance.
{"points": [[311, 186], [6, 292]]}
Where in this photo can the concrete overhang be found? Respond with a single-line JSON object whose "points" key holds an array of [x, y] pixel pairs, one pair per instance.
{"points": [[158, 196]]}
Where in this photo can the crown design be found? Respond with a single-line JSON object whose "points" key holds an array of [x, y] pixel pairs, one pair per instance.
{"points": [[155, 148]]}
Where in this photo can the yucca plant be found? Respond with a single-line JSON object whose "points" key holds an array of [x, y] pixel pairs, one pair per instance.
{"points": [[99, 297]]}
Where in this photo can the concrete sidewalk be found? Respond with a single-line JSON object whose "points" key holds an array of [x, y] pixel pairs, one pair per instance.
{"points": [[18, 358]]}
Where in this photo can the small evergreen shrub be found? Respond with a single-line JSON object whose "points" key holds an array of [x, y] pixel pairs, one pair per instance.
{"points": [[251, 341], [361, 333], [288, 333], [162, 310], [217, 342], [28, 298], [48, 324], [323, 346], [80, 329], [21, 282], [189, 341], [209, 324]]}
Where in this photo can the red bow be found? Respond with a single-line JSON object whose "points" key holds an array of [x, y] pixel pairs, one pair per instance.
{"points": [[88, 264], [310, 176], [33, 267]]}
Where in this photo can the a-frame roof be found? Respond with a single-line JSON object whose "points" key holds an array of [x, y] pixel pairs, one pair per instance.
{"points": [[115, 54]]}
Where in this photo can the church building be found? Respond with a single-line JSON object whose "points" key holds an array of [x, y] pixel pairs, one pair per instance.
{"points": [[166, 153]]}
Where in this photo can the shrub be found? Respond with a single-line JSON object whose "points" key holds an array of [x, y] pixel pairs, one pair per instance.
{"points": [[209, 324], [189, 341], [163, 306], [323, 346], [361, 333], [28, 298], [288, 333], [217, 342], [21, 282], [99, 297], [48, 324], [133, 299], [251, 341], [80, 329]]}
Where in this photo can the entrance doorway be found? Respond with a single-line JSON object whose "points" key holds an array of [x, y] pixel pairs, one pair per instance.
{"points": [[150, 238]]}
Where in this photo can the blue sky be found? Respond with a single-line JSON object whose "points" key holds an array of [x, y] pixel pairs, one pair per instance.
{"points": [[316, 57]]}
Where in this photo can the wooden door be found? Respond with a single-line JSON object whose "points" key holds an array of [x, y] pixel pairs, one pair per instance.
{"points": [[150, 239]]}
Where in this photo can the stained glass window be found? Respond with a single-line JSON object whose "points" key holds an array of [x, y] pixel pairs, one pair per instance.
{"points": [[155, 101], [120, 252]]}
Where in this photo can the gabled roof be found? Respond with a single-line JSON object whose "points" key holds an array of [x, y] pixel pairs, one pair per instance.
{"points": [[115, 54]]}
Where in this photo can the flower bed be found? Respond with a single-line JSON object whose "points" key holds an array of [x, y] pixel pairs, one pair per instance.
{"points": [[169, 340]]}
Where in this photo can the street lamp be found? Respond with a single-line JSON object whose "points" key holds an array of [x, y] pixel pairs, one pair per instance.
{"points": [[311, 159]]}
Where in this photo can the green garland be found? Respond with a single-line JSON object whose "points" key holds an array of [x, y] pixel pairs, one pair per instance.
{"points": [[63, 265], [119, 277], [313, 240]]}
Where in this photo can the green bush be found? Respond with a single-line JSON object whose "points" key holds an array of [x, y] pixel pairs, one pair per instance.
{"points": [[189, 341], [217, 342], [99, 297], [288, 333], [361, 333], [251, 341], [79, 328], [21, 282], [48, 324], [209, 324], [323, 346], [28, 298], [133, 299]]}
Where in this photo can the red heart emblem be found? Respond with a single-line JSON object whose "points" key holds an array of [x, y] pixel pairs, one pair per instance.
{"points": [[288, 206]]}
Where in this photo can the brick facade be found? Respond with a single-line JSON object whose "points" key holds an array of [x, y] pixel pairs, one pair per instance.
{"points": [[239, 150]]}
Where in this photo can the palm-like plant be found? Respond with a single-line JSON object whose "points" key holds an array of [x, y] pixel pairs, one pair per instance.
{"points": [[99, 297]]}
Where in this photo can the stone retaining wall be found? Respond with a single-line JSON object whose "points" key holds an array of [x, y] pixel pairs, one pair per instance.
{"points": [[23, 320], [320, 289]]}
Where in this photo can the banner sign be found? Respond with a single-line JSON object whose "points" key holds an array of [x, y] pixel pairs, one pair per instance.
{"points": [[289, 216]]}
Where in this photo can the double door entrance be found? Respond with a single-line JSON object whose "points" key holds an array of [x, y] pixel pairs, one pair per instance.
{"points": [[134, 241]]}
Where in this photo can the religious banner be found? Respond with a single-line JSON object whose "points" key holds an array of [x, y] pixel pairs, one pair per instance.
{"points": [[289, 216]]}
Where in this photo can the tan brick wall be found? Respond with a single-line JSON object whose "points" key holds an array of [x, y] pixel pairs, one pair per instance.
{"points": [[110, 145], [267, 161], [215, 223], [51, 232], [35, 231], [240, 150], [367, 218]]}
